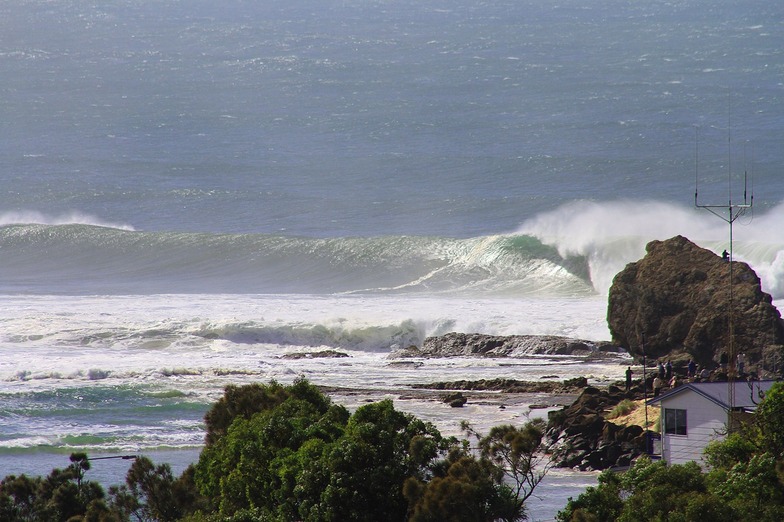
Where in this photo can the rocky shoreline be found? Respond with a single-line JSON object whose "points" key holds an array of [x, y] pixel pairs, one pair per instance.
{"points": [[579, 435]]}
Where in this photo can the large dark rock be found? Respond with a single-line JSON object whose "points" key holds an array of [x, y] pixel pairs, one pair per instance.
{"points": [[678, 298]]}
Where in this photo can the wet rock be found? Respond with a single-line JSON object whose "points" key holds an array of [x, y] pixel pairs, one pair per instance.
{"points": [[480, 345], [678, 296]]}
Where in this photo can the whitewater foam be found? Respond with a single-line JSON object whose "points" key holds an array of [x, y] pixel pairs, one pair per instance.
{"points": [[611, 234]]}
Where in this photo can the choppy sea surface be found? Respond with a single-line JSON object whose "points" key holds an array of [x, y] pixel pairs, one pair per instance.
{"points": [[192, 191]]}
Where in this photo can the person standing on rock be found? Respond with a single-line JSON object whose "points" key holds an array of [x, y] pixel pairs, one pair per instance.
{"points": [[692, 369], [741, 363], [668, 371], [661, 371], [723, 360], [628, 378], [657, 386]]}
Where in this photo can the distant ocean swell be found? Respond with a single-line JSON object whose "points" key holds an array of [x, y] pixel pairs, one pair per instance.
{"points": [[89, 259]]}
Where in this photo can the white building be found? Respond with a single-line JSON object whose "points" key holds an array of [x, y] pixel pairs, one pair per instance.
{"points": [[694, 414]]}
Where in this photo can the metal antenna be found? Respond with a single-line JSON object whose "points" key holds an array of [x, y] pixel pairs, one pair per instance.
{"points": [[728, 213]]}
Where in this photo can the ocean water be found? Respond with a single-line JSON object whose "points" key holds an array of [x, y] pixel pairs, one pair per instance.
{"points": [[193, 190]]}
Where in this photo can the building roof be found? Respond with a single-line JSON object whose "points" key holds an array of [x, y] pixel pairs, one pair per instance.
{"points": [[747, 393]]}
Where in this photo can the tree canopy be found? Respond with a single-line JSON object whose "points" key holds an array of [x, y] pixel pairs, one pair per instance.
{"points": [[276, 453]]}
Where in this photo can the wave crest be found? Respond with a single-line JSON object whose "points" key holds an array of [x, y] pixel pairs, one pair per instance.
{"points": [[27, 217]]}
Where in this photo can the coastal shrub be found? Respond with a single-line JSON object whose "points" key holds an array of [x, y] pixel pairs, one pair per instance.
{"points": [[623, 408], [649, 491], [255, 463], [751, 486], [466, 492], [300, 457], [246, 401], [734, 449], [769, 418]]}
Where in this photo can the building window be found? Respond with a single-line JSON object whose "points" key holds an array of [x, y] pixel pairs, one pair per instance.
{"points": [[674, 421]]}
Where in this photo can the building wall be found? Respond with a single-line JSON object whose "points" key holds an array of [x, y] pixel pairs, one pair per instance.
{"points": [[705, 421]]}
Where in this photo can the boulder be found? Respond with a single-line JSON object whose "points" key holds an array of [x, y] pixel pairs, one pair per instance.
{"points": [[677, 298], [455, 400]]}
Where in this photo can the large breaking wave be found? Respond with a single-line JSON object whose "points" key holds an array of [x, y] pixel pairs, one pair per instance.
{"points": [[574, 250], [82, 258]]}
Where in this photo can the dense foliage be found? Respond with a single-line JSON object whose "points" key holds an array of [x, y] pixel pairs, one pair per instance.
{"points": [[287, 453], [744, 480]]}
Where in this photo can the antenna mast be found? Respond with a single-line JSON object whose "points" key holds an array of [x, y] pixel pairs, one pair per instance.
{"points": [[728, 213]]}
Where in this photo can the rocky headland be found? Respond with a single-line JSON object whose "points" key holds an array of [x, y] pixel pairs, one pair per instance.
{"points": [[675, 303]]}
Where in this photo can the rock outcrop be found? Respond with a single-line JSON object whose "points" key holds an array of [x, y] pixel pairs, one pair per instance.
{"points": [[678, 297], [569, 386], [480, 345], [582, 438]]}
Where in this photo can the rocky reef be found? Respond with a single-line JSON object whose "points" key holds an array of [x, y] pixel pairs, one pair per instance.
{"points": [[480, 345]]}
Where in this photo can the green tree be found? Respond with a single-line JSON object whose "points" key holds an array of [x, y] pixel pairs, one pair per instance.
{"points": [[303, 458], [467, 491], [602, 503], [752, 488], [518, 453], [360, 476], [251, 463], [769, 418], [650, 491], [18, 496], [735, 448], [60, 496], [151, 493], [491, 484]]}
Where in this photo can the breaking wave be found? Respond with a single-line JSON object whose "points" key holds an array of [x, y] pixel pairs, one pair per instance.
{"points": [[574, 250], [83, 258]]}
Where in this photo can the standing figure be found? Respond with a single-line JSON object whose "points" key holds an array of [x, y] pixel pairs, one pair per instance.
{"points": [[668, 371], [628, 378], [741, 363], [657, 386]]}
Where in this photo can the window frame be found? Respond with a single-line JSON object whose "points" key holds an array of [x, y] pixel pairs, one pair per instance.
{"points": [[675, 421]]}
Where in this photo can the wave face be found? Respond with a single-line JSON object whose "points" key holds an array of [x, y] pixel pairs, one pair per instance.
{"points": [[88, 259]]}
